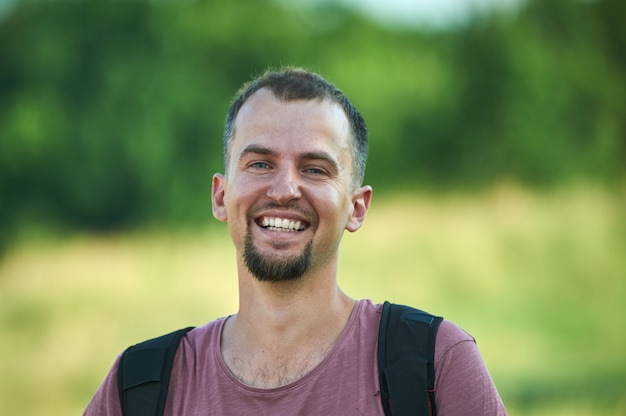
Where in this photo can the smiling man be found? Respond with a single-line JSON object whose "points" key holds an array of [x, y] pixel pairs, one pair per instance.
{"points": [[294, 153], [289, 190]]}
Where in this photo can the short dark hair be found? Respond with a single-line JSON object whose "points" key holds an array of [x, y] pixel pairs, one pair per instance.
{"points": [[300, 84]]}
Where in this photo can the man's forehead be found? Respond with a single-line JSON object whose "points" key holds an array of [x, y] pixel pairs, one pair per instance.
{"points": [[264, 103], [266, 114]]}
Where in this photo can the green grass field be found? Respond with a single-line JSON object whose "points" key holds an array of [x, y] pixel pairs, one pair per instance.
{"points": [[538, 278]]}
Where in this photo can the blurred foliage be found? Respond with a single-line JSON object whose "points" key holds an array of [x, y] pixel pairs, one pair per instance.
{"points": [[111, 112]]}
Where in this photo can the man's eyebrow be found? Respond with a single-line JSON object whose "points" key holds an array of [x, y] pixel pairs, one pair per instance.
{"points": [[324, 156], [256, 149]]}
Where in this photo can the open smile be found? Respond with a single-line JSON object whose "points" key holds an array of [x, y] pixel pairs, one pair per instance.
{"points": [[282, 224]]}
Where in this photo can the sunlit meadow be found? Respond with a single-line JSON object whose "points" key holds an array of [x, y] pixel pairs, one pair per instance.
{"points": [[539, 278]]}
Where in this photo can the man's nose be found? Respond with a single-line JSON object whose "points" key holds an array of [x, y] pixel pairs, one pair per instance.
{"points": [[285, 186]]}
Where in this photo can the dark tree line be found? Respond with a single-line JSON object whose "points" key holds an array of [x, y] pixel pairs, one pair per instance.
{"points": [[111, 112]]}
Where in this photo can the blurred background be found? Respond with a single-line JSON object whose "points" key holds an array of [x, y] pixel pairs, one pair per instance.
{"points": [[497, 156]]}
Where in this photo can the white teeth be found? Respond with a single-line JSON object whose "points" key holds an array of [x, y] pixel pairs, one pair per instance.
{"points": [[281, 224]]}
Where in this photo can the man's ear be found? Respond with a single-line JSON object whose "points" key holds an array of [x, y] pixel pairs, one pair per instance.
{"points": [[361, 199], [217, 197]]}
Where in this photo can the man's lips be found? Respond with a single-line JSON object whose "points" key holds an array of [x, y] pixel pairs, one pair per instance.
{"points": [[281, 224], [283, 218]]}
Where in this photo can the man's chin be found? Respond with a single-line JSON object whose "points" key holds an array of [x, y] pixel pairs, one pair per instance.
{"points": [[276, 267]]}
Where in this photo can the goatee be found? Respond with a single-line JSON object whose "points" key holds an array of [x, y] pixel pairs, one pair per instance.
{"points": [[270, 270]]}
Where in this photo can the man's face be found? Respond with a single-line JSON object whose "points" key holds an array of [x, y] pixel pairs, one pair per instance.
{"points": [[288, 191]]}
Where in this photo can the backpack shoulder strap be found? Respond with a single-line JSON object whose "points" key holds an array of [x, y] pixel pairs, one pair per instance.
{"points": [[143, 374], [406, 356]]}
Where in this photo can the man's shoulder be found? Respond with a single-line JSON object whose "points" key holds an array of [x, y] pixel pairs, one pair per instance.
{"points": [[449, 336], [450, 332]]}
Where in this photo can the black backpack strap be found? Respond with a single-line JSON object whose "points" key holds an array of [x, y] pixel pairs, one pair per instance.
{"points": [[143, 374], [406, 357]]}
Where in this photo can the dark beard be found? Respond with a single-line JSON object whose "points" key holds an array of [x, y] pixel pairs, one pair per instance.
{"points": [[267, 270]]}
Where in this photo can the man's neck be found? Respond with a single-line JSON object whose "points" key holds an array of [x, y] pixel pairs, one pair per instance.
{"points": [[283, 330]]}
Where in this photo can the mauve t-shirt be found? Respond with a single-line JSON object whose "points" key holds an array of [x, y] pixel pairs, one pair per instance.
{"points": [[344, 383]]}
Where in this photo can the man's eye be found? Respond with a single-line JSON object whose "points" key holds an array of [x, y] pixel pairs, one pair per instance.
{"points": [[259, 165], [315, 171]]}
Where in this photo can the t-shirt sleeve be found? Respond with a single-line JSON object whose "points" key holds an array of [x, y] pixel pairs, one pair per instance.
{"points": [[463, 384], [106, 400]]}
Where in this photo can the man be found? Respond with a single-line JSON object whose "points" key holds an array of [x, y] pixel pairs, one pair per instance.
{"points": [[294, 152]]}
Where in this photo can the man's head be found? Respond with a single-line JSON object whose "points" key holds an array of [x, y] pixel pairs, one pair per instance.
{"points": [[298, 84], [294, 165]]}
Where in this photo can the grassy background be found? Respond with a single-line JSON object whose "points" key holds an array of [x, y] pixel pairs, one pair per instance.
{"points": [[539, 278]]}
